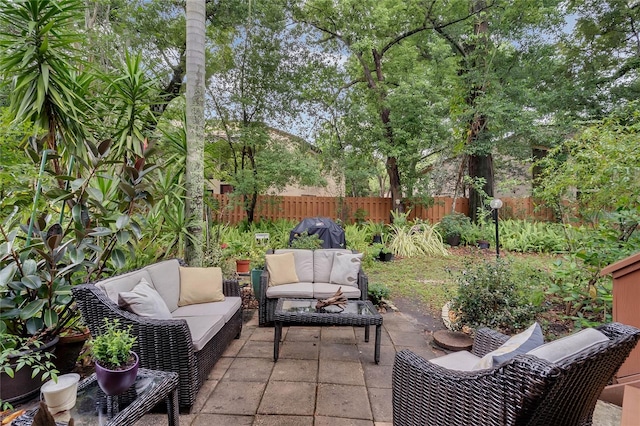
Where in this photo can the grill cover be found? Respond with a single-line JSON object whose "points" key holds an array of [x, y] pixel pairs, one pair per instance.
{"points": [[331, 234]]}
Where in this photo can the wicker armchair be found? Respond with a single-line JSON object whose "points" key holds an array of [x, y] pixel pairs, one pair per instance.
{"points": [[164, 345], [524, 391]]}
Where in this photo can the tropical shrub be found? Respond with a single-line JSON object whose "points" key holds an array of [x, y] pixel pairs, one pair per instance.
{"points": [[536, 237], [488, 295], [378, 292]]}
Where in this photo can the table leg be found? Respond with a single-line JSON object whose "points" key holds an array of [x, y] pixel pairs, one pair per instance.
{"points": [[376, 356], [276, 340], [173, 412], [366, 333]]}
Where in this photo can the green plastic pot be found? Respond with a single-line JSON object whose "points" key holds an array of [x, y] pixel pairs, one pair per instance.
{"points": [[255, 281]]}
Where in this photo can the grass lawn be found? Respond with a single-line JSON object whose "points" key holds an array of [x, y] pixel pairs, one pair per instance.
{"points": [[430, 280]]}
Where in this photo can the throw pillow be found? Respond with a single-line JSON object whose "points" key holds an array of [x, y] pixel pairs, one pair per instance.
{"points": [[345, 269], [518, 344], [200, 285], [145, 301], [282, 268]]}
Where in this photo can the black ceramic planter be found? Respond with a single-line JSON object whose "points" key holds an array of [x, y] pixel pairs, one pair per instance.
{"points": [[453, 240], [483, 244], [385, 257]]}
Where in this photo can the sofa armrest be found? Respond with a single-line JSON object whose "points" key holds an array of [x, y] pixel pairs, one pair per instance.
{"points": [[363, 285], [487, 340], [231, 288]]}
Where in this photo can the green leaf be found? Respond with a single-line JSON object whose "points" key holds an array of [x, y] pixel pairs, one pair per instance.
{"points": [[123, 236], [29, 267], [122, 221], [101, 232], [118, 258], [50, 317], [76, 255], [32, 308], [32, 281], [7, 273]]}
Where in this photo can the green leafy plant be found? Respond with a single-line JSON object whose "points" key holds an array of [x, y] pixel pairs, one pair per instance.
{"points": [[306, 241], [112, 347], [489, 296], [16, 353], [454, 224], [378, 292]]}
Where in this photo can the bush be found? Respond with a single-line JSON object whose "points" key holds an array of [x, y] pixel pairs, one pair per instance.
{"points": [[489, 296], [377, 292], [306, 241]]}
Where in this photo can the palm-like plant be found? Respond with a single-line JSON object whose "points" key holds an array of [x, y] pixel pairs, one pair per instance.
{"points": [[39, 60]]}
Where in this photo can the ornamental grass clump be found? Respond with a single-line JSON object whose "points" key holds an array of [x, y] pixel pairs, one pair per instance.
{"points": [[489, 295]]}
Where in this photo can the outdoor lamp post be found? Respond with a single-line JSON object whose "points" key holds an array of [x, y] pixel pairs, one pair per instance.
{"points": [[495, 204]]}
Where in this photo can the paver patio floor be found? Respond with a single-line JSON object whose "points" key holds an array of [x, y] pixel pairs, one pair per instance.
{"points": [[325, 376]]}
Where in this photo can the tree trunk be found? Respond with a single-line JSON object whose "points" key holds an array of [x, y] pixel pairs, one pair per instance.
{"points": [[480, 166], [194, 176], [480, 163]]}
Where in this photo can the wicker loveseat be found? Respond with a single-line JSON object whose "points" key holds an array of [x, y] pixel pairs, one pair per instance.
{"points": [[525, 390], [313, 269], [189, 343]]}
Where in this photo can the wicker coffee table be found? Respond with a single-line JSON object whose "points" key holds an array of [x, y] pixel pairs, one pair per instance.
{"points": [[358, 313], [93, 407]]}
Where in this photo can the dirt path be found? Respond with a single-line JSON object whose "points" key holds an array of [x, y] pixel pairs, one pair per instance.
{"points": [[419, 313]]}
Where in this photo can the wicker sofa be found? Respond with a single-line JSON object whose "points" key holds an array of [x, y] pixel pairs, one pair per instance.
{"points": [[189, 343], [526, 390], [313, 269]]}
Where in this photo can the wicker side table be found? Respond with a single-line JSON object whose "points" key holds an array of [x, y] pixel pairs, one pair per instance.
{"points": [[357, 313], [93, 407]]}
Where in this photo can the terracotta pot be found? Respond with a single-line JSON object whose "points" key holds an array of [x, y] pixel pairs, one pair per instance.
{"points": [[242, 266], [22, 386], [115, 382], [68, 349]]}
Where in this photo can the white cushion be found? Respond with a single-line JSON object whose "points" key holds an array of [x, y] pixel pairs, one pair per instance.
{"points": [[459, 361], [520, 343], [304, 263], [227, 308], [565, 347], [145, 301], [323, 262], [165, 277], [203, 328], [125, 282], [301, 290], [345, 269], [325, 290]]}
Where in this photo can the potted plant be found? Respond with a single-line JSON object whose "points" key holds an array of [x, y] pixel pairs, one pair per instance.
{"points": [[453, 226], [376, 229], [241, 252], [116, 364], [257, 266], [381, 252], [24, 365]]}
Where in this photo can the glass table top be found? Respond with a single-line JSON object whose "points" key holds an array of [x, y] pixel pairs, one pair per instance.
{"points": [[309, 306], [92, 405]]}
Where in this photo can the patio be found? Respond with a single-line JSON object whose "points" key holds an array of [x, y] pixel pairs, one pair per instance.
{"points": [[324, 376]]}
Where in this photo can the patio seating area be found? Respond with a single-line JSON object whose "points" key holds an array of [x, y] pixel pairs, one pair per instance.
{"points": [[325, 376]]}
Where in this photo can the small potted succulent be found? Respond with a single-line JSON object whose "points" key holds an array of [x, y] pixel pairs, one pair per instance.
{"points": [[116, 364]]}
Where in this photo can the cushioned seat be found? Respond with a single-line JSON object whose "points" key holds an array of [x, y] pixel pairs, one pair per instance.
{"points": [[324, 290], [203, 328], [226, 308]]}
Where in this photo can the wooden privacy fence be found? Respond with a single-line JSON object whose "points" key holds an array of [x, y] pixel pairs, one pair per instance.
{"points": [[374, 209]]}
